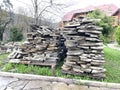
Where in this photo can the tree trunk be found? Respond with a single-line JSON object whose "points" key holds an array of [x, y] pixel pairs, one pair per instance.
{"points": [[1, 33], [36, 12], [1, 37], [2, 29]]}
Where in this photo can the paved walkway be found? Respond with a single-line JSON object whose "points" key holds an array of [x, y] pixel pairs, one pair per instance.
{"points": [[18, 82]]}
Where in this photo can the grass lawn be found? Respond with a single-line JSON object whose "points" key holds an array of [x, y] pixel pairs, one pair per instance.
{"points": [[3, 59], [112, 65]]}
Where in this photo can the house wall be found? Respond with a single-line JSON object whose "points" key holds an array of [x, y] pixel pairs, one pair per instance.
{"points": [[69, 22], [66, 23], [116, 17], [60, 25], [115, 22], [80, 14]]}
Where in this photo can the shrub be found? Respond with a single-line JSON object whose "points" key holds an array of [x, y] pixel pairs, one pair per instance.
{"points": [[104, 39], [105, 22], [117, 35], [15, 34]]}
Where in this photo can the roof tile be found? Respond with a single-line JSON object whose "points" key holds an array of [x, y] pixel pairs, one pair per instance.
{"points": [[109, 10]]}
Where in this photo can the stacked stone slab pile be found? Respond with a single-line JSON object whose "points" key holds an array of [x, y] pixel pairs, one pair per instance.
{"points": [[84, 49], [3, 49], [8, 47], [44, 46]]}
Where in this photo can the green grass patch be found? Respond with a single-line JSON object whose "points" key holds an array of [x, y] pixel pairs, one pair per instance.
{"points": [[3, 60], [31, 69], [112, 65], [28, 69]]}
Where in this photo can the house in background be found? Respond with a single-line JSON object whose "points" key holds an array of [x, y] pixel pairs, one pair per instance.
{"points": [[109, 9]]}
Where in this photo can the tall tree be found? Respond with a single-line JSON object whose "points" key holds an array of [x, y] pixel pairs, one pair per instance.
{"points": [[5, 16], [22, 20], [41, 7]]}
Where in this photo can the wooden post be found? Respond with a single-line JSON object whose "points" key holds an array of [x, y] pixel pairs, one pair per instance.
{"points": [[53, 69]]}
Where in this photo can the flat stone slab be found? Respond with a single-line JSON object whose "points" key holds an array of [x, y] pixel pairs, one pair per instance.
{"points": [[94, 88], [12, 81], [4, 81], [60, 86], [78, 87], [38, 84], [18, 85]]}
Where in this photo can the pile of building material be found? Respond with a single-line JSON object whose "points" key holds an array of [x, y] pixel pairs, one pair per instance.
{"points": [[44, 46], [8, 47], [85, 49], [3, 49]]}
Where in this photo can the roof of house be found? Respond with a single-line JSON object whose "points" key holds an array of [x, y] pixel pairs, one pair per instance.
{"points": [[108, 9]]}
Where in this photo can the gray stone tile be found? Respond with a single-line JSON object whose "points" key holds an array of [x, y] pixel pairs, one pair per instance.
{"points": [[34, 89], [47, 88], [94, 88], [9, 88], [36, 85], [18, 85], [60, 86], [77, 87], [4, 81], [104, 88], [2, 87]]}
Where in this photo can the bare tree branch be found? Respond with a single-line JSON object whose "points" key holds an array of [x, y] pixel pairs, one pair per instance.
{"points": [[45, 6], [6, 16], [44, 10]]}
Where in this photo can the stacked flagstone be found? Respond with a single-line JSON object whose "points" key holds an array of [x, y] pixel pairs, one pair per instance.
{"points": [[44, 46], [84, 49]]}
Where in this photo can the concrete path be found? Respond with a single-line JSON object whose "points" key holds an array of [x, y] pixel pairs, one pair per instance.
{"points": [[16, 84], [34, 82]]}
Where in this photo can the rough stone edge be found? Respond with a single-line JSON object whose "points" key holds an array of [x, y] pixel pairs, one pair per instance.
{"points": [[56, 79]]}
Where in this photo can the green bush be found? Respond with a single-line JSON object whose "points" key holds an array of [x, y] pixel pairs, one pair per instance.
{"points": [[15, 34], [104, 39], [105, 22], [117, 35]]}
